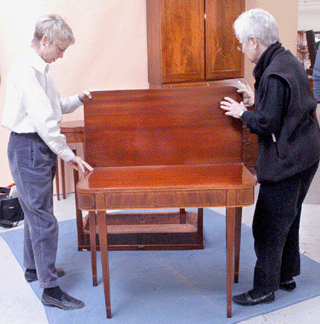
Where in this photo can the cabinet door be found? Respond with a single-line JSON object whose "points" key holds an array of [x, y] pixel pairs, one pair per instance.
{"points": [[223, 60], [182, 33]]}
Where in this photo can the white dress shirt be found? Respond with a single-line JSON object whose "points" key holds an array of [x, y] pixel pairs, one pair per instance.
{"points": [[33, 104]]}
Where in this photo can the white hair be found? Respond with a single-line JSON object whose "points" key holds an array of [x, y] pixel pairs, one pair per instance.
{"points": [[258, 23]]}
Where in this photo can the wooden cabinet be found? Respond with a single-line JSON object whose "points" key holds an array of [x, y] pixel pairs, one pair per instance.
{"points": [[223, 60], [192, 41]]}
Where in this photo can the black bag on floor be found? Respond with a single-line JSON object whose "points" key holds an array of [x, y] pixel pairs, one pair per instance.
{"points": [[10, 210]]}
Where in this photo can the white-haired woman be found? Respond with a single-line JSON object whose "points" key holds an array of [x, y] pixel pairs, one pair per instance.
{"points": [[289, 152], [32, 112]]}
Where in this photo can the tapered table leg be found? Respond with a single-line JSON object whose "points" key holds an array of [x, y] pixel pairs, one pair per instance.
{"points": [[63, 179], [230, 240], [102, 225], [93, 246], [238, 215], [58, 179]]}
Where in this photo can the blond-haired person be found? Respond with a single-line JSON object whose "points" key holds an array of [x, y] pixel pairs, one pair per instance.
{"points": [[33, 110]]}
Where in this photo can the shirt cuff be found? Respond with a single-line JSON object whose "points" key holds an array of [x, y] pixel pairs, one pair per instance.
{"points": [[67, 155]]}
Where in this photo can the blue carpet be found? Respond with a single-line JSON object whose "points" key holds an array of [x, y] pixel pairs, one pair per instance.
{"points": [[164, 286]]}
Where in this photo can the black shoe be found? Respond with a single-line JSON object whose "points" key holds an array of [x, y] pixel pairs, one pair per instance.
{"points": [[246, 300], [289, 285], [66, 302], [32, 276]]}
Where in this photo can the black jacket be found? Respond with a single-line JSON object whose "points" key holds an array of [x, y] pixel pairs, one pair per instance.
{"points": [[284, 117]]}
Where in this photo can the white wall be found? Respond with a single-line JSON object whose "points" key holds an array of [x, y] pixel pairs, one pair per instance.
{"points": [[288, 24], [309, 17]]}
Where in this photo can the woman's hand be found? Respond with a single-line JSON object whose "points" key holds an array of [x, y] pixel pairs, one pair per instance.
{"points": [[232, 107], [78, 164], [247, 94]]}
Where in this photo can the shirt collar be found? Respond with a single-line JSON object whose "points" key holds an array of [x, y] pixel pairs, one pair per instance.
{"points": [[37, 62]]}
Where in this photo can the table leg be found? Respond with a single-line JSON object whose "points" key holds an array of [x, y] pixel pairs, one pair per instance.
{"points": [[58, 179], [79, 216], [237, 243], [230, 240], [200, 226], [102, 224], [63, 179], [93, 246], [182, 216]]}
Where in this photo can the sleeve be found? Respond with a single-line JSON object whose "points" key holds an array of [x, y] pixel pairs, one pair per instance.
{"points": [[269, 113], [70, 104], [43, 117]]}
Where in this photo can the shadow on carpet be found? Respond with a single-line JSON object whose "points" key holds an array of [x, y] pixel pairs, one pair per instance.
{"points": [[164, 286]]}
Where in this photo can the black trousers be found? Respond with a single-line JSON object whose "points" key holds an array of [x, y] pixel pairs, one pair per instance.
{"points": [[276, 230]]}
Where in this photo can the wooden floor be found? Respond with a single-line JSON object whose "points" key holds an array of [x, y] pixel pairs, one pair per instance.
{"points": [[19, 304]]}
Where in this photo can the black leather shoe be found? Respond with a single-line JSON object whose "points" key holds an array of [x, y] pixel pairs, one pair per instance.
{"points": [[66, 302], [32, 276], [246, 300], [289, 285]]}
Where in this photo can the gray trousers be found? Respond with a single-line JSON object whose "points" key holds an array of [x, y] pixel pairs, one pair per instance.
{"points": [[33, 167]]}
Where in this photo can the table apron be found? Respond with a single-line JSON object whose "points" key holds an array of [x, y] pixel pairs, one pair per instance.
{"points": [[100, 200]]}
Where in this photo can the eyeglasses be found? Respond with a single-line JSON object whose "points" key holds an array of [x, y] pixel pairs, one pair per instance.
{"points": [[239, 47], [61, 51]]}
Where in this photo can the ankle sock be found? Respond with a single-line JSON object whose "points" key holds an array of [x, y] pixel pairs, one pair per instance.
{"points": [[54, 292]]}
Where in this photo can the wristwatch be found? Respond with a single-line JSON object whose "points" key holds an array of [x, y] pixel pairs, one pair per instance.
{"points": [[241, 113]]}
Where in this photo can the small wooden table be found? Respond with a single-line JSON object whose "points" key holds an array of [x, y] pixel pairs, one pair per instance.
{"points": [[74, 133], [165, 148], [170, 187]]}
